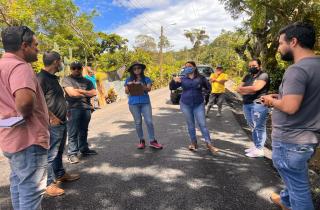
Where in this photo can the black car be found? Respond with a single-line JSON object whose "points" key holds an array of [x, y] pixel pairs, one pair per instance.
{"points": [[204, 70]]}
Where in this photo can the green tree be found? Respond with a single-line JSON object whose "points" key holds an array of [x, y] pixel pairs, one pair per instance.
{"points": [[146, 43], [197, 37], [265, 20]]}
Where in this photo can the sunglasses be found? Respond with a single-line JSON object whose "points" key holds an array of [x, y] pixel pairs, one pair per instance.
{"points": [[24, 30], [76, 69]]}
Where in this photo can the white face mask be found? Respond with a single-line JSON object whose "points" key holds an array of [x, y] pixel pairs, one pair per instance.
{"points": [[61, 67]]}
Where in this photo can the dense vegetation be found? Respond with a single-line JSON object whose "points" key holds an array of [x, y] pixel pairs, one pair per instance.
{"points": [[60, 25]]}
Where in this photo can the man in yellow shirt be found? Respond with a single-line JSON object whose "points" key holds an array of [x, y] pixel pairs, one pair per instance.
{"points": [[217, 79]]}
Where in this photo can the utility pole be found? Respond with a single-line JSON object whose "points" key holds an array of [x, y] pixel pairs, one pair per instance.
{"points": [[161, 54]]}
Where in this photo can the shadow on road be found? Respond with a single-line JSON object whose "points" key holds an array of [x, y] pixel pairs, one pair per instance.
{"points": [[122, 177]]}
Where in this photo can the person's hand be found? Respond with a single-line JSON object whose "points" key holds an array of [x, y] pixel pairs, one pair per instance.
{"points": [[213, 79], [54, 120], [8, 115], [177, 79], [129, 83], [267, 100]]}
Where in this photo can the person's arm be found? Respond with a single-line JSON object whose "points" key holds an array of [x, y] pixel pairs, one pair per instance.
{"points": [[75, 93], [25, 100], [23, 83], [258, 85], [87, 93], [289, 104], [293, 90], [175, 83]]}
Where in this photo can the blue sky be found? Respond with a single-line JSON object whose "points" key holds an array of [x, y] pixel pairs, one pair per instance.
{"points": [[130, 18]]}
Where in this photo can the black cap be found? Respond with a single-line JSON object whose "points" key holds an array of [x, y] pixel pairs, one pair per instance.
{"points": [[76, 65], [137, 64], [219, 66]]}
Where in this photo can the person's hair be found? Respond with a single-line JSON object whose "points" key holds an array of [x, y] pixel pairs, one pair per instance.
{"points": [[257, 60], [13, 36], [76, 65], [196, 71], [134, 77], [50, 57], [192, 63], [304, 32]]}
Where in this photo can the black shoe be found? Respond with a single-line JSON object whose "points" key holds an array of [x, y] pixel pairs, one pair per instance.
{"points": [[73, 159], [89, 152]]}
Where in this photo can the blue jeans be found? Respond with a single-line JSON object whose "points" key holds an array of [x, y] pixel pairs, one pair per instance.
{"points": [[77, 124], [256, 116], [197, 113], [57, 142], [28, 177], [145, 110], [291, 161]]}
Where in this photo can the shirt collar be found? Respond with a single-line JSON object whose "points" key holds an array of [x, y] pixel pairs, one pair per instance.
{"points": [[49, 75], [11, 55]]}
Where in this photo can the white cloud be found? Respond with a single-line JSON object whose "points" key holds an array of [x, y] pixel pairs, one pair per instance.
{"points": [[141, 3], [186, 14]]}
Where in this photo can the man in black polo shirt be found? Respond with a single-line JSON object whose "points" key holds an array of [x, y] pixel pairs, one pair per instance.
{"points": [[57, 107], [79, 91]]}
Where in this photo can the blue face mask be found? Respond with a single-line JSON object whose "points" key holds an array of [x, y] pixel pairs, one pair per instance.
{"points": [[188, 70]]}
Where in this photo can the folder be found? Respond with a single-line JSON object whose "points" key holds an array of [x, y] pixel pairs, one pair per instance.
{"points": [[11, 122], [136, 89]]}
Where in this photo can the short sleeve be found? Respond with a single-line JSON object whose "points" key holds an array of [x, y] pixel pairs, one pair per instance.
{"points": [[148, 81], [126, 82], [42, 83], [225, 77], [66, 82], [22, 77], [245, 78], [211, 75], [264, 76], [90, 85], [294, 82]]}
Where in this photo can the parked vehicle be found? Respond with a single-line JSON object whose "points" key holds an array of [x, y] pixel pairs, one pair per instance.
{"points": [[204, 70]]}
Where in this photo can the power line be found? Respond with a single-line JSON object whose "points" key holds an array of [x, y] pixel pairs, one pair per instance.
{"points": [[140, 19]]}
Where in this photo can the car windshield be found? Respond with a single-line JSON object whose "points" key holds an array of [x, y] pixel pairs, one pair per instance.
{"points": [[205, 70]]}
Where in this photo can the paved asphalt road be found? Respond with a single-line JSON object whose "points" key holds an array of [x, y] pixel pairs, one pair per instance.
{"points": [[122, 177]]}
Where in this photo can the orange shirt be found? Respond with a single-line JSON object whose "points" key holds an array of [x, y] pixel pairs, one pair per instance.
{"points": [[16, 74]]}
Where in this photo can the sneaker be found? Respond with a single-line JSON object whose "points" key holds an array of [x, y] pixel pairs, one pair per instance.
{"points": [[155, 144], [256, 153], [73, 159], [250, 149], [275, 198], [142, 144], [89, 152], [53, 190], [68, 177]]}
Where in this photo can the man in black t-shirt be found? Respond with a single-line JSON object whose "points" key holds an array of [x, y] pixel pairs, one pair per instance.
{"points": [[253, 86], [57, 108], [78, 91]]}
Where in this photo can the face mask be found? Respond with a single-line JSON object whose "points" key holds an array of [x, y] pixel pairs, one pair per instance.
{"points": [[253, 70], [61, 67], [287, 56], [188, 70]]}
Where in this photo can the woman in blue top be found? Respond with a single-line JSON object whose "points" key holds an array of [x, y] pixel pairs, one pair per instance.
{"points": [[192, 103], [139, 103]]}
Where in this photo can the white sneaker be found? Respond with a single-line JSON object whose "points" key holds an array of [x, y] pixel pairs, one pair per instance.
{"points": [[256, 153], [250, 149]]}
